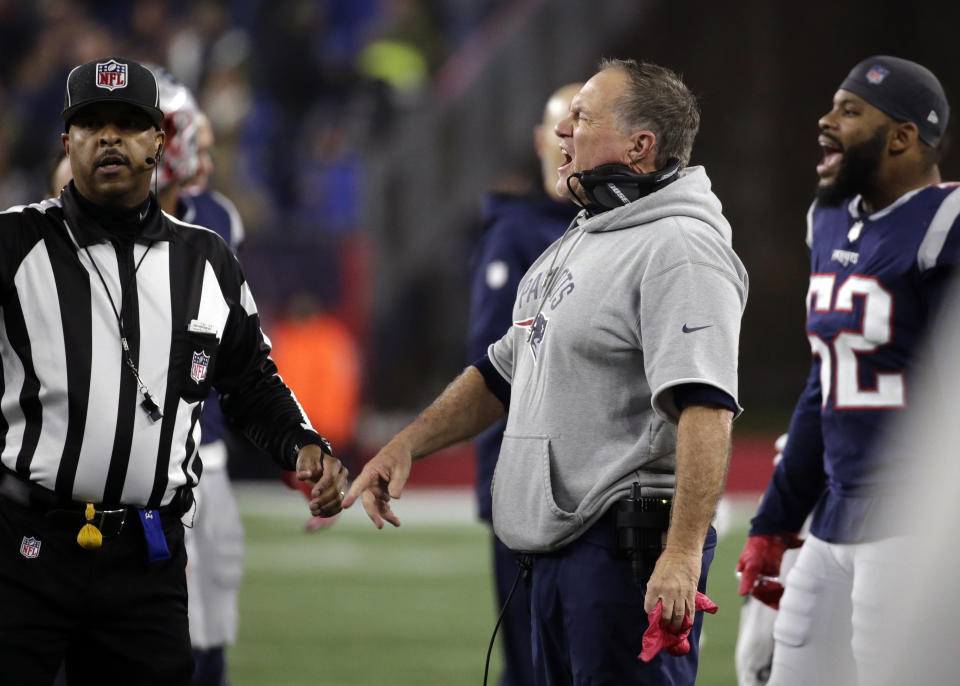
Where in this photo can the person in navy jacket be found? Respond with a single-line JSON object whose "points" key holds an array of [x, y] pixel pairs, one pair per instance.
{"points": [[516, 231]]}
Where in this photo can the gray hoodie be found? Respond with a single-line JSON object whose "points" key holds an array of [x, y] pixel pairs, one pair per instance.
{"points": [[645, 297]]}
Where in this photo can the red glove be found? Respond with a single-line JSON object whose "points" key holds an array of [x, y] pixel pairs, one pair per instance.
{"points": [[658, 637], [761, 558]]}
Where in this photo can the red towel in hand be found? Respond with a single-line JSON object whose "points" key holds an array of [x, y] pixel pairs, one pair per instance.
{"points": [[657, 637]]}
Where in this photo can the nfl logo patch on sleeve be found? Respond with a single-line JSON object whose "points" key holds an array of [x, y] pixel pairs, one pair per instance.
{"points": [[30, 547]]}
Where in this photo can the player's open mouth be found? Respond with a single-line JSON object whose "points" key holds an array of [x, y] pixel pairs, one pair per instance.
{"points": [[567, 159], [832, 155]]}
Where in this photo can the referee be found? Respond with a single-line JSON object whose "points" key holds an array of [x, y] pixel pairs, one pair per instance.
{"points": [[115, 322]]}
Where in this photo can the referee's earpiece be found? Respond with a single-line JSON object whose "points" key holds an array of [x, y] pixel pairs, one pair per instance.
{"points": [[153, 160]]}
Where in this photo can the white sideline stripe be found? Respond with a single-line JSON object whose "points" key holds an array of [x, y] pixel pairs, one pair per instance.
{"points": [[421, 506], [335, 554], [432, 507]]}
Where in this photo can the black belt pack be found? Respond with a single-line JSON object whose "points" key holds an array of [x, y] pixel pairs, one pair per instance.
{"points": [[641, 525]]}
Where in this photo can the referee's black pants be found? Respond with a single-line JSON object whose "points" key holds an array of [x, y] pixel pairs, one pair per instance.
{"points": [[111, 616]]}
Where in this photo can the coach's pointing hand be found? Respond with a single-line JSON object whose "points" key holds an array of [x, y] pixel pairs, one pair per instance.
{"points": [[464, 409], [382, 478], [327, 478]]}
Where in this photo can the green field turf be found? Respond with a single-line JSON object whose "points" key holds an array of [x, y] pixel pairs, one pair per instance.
{"points": [[353, 606]]}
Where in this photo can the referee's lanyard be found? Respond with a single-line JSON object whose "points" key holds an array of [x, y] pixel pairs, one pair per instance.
{"points": [[148, 404]]}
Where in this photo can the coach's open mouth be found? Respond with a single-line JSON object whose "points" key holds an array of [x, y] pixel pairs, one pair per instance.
{"points": [[567, 159]]}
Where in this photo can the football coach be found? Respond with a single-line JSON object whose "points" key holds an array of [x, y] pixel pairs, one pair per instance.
{"points": [[620, 376], [115, 322]]}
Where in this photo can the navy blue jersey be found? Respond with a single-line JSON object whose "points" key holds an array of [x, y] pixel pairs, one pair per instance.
{"points": [[874, 285], [213, 211], [516, 230]]}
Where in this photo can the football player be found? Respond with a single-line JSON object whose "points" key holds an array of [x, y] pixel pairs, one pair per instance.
{"points": [[883, 235]]}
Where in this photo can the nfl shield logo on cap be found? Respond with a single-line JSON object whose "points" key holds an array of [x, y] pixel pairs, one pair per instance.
{"points": [[111, 75], [112, 79], [30, 547], [877, 74], [198, 370]]}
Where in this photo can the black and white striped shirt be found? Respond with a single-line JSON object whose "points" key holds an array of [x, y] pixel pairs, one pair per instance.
{"points": [[70, 415]]}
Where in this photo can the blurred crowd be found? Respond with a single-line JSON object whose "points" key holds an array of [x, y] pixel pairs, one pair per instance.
{"points": [[295, 90]]}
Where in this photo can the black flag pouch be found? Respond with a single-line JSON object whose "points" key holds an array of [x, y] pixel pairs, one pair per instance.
{"points": [[641, 525]]}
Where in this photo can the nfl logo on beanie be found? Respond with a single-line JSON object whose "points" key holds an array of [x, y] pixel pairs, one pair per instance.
{"points": [[877, 74]]}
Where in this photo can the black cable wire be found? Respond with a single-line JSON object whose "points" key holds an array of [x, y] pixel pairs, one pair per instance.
{"points": [[524, 570], [576, 198], [503, 611]]}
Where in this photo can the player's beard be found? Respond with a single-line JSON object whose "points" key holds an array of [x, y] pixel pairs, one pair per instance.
{"points": [[858, 171]]}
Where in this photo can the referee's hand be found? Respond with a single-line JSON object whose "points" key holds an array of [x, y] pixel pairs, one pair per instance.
{"points": [[382, 478], [327, 478]]}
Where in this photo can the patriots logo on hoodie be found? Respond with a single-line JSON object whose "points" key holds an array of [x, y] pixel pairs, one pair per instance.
{"points": [[537, 331]]}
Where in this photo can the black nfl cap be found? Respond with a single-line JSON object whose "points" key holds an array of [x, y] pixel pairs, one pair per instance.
{"points": [[112, 79], [904, 90]]}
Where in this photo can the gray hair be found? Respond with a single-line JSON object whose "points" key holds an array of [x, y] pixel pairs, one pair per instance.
{"points": [[658, 100]]}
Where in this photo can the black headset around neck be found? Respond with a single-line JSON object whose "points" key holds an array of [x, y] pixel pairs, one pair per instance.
{"points": [[614, 185]]}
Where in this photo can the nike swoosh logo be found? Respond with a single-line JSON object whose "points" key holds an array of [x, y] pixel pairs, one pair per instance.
{"points": [[691, 329]]}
